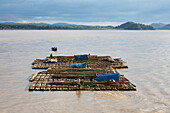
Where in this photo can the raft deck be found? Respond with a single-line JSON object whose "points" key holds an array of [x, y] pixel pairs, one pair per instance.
{"points": [[45, 81], [60, 77], [94, 61]]}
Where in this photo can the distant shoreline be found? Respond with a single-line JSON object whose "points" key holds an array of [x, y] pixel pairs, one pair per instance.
{"points": [[41, 26], [80, 30]]}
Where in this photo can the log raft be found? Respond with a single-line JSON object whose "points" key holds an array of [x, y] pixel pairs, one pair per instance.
{"points": [[65, 62], [59, 76]]}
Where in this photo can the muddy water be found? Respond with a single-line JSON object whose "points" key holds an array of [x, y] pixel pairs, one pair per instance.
{"points": [[147, 54]]}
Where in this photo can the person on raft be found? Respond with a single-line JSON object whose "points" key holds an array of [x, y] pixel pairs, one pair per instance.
{"points": [[78, 82]]}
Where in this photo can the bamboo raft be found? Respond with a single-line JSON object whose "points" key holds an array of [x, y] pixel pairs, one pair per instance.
{"points": [[65, 62], [59, 76]]}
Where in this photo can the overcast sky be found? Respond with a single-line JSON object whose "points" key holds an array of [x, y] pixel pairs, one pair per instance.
{"points": [[85, 11]]}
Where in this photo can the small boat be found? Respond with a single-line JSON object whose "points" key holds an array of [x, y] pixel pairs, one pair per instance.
{"points": [[54, 48]]}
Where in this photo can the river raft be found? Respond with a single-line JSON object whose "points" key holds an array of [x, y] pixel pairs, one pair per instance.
{"points": [[79, 73]]}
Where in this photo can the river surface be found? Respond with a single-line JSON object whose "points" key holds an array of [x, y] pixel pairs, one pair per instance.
{"points": [[147, 54]]}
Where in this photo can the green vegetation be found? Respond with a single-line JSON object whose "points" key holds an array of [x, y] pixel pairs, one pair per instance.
{"points": [[43, 26], [51, 27], [134, 26]]}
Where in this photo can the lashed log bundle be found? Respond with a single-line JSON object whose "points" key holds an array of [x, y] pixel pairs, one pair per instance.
{"points": [[59, 76], [66, 61]]}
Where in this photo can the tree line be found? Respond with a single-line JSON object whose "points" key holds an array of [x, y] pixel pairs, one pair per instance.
{"points": [[20, 26]]}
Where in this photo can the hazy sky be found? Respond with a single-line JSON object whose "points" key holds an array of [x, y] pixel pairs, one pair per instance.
{"points": [[85, 11]]}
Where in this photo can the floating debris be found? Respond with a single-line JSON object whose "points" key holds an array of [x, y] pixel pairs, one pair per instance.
{"points": [[79, 72]]}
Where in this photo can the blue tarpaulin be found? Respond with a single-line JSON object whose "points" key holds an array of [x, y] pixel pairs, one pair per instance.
{"points": [[79, 65], [108, 77], [81, 57]]}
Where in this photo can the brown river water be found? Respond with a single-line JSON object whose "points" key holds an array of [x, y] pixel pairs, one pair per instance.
{"points": [[147, 54]]}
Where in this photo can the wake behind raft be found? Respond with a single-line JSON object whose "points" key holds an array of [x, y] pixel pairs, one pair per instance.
{"points": [[79, 72]]}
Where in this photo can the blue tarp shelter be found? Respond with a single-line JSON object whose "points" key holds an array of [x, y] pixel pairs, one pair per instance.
{"points": [[79, 65], [81, 57], [107, 77]]}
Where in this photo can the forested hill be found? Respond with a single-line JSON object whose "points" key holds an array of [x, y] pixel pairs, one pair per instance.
{"points": [[44, 26], [134, 26]]}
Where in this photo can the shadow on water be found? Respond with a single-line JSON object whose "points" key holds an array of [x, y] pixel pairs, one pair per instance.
{"points": [[27, 87]]}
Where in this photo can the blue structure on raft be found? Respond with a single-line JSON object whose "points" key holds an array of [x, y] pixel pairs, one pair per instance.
{"points": [[107, 77], [81, 57], [79, 65]]}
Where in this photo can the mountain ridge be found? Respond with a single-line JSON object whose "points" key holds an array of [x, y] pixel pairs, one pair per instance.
{"points": [[160, 26], [67, 26]]}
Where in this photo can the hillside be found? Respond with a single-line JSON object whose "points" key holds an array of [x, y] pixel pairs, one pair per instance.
{"points": [[157, 25], [134, 26], [160, 26], [16, 26], [65, 26], [166, 27]]}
